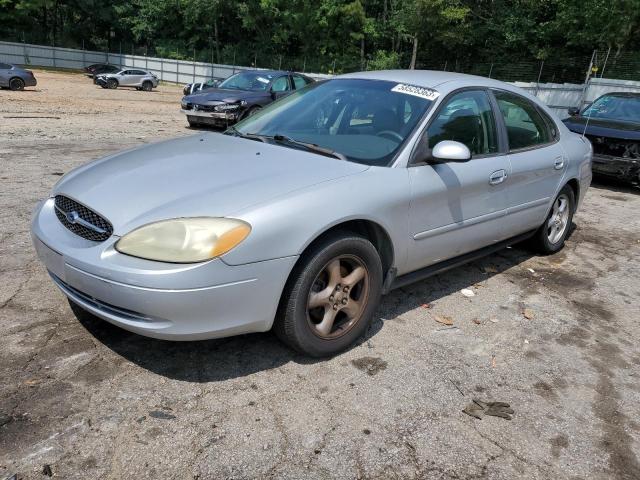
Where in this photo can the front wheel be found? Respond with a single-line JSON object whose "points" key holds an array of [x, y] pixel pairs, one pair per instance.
{"points": [[553, 232], [331, 295], [112, 83]]}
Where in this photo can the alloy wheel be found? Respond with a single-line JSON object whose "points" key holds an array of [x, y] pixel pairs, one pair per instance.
{"points": [[338, 297], [558, 219]]}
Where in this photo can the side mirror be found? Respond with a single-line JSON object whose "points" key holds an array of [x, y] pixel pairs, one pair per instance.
{"points": [[274, 95], [573, 111], [450, 151]]}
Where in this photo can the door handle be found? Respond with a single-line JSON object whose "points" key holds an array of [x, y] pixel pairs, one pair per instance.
{"points": [[559, 163], [497, 177]]}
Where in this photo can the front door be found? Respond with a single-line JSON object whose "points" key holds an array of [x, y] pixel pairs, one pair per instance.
{"points": [[538, 161], [459, 207], [5, 70]]}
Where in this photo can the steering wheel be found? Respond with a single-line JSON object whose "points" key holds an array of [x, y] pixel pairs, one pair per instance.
{"points": [[392, 134]]}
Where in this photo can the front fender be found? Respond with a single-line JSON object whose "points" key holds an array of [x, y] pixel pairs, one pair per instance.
{"points": [[287, 225]]}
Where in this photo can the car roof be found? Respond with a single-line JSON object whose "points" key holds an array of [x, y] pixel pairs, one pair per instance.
{"points": [[266, 72], [429, 78]]}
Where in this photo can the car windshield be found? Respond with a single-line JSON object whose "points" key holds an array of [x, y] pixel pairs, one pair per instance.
{"points": [[615, 107], [256, 81], [364, 121]]}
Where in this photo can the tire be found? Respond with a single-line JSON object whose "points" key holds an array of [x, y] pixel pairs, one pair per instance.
{"points": [[16, 84], [147, 86], [193, 123], [351, 304], [551, 235], [112, 83]]}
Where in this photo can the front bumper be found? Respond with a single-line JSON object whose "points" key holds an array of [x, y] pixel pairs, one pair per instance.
{"points": [[622, 168], [160, 300], [213, 118]]}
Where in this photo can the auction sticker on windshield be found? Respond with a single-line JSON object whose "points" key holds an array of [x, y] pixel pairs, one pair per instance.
{"points": [[422, 92]]}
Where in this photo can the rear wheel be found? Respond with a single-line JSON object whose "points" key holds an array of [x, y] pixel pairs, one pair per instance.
{"points": [[331, 295], [112, 83], [147, 86], [16, 84], [553, 232]]}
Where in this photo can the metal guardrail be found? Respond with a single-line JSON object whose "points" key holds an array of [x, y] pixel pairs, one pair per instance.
{"points": [[168, 70]]}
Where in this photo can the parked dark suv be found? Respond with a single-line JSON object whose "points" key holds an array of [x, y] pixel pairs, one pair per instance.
{"points": [[239, 96]]}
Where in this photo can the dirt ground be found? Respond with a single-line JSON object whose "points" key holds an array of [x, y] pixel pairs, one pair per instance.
{"points": [[82, 399]]}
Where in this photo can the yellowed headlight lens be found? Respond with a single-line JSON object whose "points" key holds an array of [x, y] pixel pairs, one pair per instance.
{"points": [[184, 240]]}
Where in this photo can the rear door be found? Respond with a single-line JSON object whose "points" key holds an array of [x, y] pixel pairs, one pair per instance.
{"points": [[137, 76], [459, 207], [538, 161]]}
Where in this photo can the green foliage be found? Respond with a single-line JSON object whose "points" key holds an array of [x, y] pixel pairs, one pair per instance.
{"points": [[384, 60], [334, 35]]}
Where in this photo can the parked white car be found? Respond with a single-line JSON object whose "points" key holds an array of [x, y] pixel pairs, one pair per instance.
{"points": [[131, 77]]}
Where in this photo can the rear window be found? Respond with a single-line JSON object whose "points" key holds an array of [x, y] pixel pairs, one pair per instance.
{"points": [[526, 128]]}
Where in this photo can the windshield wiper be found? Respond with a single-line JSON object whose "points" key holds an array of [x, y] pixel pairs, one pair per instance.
{"points": [[250, 136], [311, 147], [283, 139]]}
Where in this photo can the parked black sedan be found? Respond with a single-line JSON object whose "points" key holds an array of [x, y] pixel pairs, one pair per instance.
{"points": [[239, 96], [190, 88], [92, 71], [612, 124]]}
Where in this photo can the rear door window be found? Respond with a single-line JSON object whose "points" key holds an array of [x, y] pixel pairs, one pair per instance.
{"points": [[5, 66], [467, 117], [526, 128]]}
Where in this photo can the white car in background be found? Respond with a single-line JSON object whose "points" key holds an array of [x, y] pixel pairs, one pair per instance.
{"points": [[129, 77]]}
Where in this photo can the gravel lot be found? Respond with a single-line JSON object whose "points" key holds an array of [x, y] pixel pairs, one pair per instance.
{"points": [[88, 400]]}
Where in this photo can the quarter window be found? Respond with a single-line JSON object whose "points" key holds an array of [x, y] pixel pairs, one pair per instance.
{"points": [[4, 66], [466, 118], [299, 82], [525, 126]]}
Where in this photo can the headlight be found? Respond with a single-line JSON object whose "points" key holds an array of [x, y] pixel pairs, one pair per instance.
{"points": [[184, 105], [184, 240], [226, 107]]}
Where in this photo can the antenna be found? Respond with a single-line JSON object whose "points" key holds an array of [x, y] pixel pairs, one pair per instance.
{"points": [[588, 119]]}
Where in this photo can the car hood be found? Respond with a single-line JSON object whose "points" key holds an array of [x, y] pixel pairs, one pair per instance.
{"points": [[223, 95], [604, 128], [204, 175]]}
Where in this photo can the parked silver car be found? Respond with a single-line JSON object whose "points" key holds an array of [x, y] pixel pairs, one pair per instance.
{"points": [[129, 77], [16, 78], [302, 215]]}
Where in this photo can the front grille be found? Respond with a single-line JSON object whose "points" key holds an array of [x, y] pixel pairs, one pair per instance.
{"points": [[81, 220], [205, 108], [615, 147]]}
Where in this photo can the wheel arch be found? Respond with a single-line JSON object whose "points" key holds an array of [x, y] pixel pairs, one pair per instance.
{"points": [[369, 229], [575, 186]]}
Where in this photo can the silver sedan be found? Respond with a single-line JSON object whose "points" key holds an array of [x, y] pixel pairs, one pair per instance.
{"points": [[302, 216]]}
